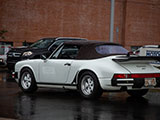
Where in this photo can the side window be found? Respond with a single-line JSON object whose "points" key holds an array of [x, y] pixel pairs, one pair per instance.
{"points": [[55, 45], [67, 52], [55, 55]]}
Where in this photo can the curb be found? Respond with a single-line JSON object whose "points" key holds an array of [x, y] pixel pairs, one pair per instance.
{"points": [[6, 119], [155, 90]]}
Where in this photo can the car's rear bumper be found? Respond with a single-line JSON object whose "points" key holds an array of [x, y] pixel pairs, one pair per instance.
{"points": [[126, 84]]}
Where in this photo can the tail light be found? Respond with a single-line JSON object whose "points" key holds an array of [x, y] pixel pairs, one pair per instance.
{"points": [[151, 75]]}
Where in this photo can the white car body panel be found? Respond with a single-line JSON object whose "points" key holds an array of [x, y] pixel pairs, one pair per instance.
{"points": [[103, 68], [33, 65], [54, 71]]}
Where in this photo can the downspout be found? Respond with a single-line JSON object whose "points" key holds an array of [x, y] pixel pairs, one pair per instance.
{"points": [[124, 23], [112, 21]]}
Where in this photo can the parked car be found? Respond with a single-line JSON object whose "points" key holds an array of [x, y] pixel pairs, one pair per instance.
{"points": [[149, 51], [3, 54], [43, 46], [90, 67]]}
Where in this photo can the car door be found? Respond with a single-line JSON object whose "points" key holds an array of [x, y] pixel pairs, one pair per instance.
{"points": [[56, 69]]}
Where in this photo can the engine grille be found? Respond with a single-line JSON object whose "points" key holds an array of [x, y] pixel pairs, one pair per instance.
{"points": [[14, 54]]}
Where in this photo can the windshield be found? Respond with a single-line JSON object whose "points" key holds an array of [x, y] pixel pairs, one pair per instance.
{"points": [[44, 43], [110, 49]]}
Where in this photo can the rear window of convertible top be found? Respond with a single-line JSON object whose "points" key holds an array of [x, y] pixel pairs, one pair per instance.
{"points": [[110, 49]]}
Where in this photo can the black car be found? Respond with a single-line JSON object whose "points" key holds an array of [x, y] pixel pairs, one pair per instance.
{"points": [[43, 46]]}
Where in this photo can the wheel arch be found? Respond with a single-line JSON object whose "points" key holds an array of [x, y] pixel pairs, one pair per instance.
{"points": [[32, 86], [25, 67], [96, 90], [79, 73]]}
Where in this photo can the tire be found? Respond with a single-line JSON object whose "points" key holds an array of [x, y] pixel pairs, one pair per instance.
{"points": [[89, 86], [137, 93], [27, 81]]}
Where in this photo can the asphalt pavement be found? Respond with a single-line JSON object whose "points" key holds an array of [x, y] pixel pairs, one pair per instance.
{"points": [[53, 104]]}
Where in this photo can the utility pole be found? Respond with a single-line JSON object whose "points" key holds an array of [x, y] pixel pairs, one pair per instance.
{"points": [[112, 21]]}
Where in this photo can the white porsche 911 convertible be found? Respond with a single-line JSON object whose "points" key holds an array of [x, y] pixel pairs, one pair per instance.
{"points": [[90, 67]]}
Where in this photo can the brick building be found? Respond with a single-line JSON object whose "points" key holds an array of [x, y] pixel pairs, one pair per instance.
{"points": [[137, 22]]}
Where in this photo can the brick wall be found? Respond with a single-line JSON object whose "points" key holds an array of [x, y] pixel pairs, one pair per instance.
{"points": [[137, 22], [142, 22]]}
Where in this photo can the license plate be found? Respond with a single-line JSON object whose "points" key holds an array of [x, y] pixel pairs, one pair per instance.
{"points": [[150, 82]]}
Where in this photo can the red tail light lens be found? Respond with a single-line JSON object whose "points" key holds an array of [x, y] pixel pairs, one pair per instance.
{"points": [[120, 76], [152, 75]]}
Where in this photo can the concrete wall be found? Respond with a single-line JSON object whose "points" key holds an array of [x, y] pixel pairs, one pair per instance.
{"points": [[137, 22]]}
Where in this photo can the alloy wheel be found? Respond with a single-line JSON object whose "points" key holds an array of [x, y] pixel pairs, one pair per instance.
{"points": [[87, 85], [26, 80]]}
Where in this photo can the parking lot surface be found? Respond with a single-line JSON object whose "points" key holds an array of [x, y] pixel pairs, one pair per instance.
{"points": [[51, 104]]}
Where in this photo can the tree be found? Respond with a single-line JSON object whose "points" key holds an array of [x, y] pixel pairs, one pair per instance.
{"points": [[2, 33]]}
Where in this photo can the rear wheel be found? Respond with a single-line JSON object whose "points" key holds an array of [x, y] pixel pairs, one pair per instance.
{"points": [[137, 93], [88, 85], [27, 81]]}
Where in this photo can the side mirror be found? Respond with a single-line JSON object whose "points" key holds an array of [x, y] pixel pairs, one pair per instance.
{"points": [[43, 57]]}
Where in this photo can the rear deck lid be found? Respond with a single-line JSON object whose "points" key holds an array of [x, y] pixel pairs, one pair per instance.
{"points": [[137, 64]]}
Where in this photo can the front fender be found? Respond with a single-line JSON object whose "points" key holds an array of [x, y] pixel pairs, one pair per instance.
{"points": [[34, 68]]}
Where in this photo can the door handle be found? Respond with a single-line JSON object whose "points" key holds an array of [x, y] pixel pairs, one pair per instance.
{"points": [[67, 64]]}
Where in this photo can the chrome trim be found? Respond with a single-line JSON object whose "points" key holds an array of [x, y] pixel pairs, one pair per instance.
{"points": [[57, 86], [125, 84], [14, 54], [130, 79]]}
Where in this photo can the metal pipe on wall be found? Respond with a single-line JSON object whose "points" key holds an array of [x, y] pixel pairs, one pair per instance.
{"points": [[112, 21]]}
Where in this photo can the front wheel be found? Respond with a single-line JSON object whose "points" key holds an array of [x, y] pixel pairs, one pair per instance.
{"points": [[27, 81], [89, 86], [137, 93]]}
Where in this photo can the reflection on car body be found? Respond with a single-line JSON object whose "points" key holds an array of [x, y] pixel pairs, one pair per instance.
{"points": [[90, 67]]}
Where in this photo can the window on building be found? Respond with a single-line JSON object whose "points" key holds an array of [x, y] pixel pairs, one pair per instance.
{"points": [[133, 48], [27, 43], [6, 43]]}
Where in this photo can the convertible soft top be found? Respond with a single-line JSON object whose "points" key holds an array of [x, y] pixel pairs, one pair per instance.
{"points": [[87, 49]]}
